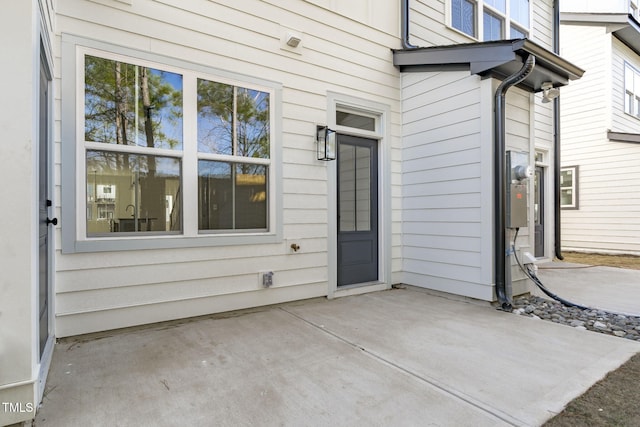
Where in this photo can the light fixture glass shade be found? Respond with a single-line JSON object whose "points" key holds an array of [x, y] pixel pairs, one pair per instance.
{"points": [[549, 92], [326, 141]]}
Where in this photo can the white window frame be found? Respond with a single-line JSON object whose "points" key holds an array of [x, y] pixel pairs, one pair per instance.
{"points": [[74, 235], [508, 22], [633, 9], [631, 95], [573, 187]]}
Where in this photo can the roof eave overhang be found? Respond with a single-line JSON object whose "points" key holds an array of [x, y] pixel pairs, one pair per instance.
{"points": [[622, 25], [495, 58]]}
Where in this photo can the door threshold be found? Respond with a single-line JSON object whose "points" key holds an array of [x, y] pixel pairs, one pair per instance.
{"points": [[360, 288]]}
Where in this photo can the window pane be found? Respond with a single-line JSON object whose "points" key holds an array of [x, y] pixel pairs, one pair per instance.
{"points": [[520, 12], [231, 196], [355, 121], [215, 117], [355, 188], [464, 16], [132, 105], [566, 197], [517, 34], [497, 4], [132, 193], [566, 178], [253, 123], [492, 27]]}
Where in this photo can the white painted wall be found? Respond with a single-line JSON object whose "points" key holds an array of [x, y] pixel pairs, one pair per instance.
{"points": [[609, 175], [19, 359], [342, 54]]}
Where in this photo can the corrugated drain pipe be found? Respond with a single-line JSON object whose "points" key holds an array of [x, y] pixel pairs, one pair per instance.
{"points": [[500, 180]]}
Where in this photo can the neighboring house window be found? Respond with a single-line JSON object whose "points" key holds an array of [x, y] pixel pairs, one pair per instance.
{"points": [[569, 187], [633, 9], [151, 130], [491, 19], [631, 91]]}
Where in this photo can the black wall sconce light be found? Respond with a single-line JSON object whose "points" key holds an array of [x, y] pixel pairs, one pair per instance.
{"points": [[326, 140]]}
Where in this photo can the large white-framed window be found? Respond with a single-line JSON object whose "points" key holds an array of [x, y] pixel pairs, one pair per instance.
{"points": [[171, 154], [569, 187], [631, 90], [491, 19]]}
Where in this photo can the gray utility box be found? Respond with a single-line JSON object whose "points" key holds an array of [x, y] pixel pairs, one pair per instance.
{"points": [[518, 174]]}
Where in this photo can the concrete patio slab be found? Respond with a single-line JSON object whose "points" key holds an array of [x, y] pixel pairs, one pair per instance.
{"points": [[607, 288], [401, 357]]}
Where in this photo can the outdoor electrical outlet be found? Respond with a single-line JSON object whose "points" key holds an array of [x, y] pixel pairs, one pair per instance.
{"points": [[266, 278]]}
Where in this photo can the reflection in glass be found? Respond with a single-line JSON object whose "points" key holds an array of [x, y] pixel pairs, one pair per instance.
{"points": [[231, 196], [520, 11], [353, 120], [463, 16], [215, 117], [355, 188], [132, 105], [232, 120], [492, 27], [132, 193], [498, 4]]}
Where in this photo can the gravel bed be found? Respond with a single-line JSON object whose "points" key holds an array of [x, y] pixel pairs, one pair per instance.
{"points": [[590, 319]]}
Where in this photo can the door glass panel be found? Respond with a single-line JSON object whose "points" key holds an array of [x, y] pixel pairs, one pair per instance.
{"points": [[355, 188], [363, 188]]}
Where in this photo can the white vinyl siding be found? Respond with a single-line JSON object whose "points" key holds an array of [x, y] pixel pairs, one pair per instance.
{"points": [[443, 187], [243, 40], [447, 179], [609, 205]]}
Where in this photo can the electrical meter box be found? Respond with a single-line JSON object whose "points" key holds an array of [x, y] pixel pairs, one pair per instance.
{"points": [[518, 174]]}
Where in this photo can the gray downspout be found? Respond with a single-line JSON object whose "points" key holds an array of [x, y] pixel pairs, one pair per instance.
{"points": [[500, 180], [556, 142], [404, 12]]}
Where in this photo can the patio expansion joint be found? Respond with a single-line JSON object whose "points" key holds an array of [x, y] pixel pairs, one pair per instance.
{"points": [[447, 389]]}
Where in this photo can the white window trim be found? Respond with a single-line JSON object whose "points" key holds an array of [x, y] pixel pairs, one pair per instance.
{"points": [[382, 115], [479, 20], [74, 237], [574, 188], [634, 110]]}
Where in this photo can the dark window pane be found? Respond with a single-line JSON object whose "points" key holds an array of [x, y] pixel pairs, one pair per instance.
{"points": [[231, 196], [215, 196], [215, 117], [132, 105], [132, 193]]}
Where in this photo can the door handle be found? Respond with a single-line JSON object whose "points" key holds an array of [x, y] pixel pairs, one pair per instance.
{"points": [[53, 221]]}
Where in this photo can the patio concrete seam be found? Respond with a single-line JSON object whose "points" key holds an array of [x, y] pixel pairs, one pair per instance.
{"points": [[497, 413]]}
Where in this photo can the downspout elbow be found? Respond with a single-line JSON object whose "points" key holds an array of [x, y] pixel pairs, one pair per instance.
{"points": [[404, 12]]}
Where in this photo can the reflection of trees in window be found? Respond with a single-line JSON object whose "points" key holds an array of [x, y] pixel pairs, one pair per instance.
{"points": [[232, 120], [132, 105]]}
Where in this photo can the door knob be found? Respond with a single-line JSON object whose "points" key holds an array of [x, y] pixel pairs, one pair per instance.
{"points": [[53, 221]]}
